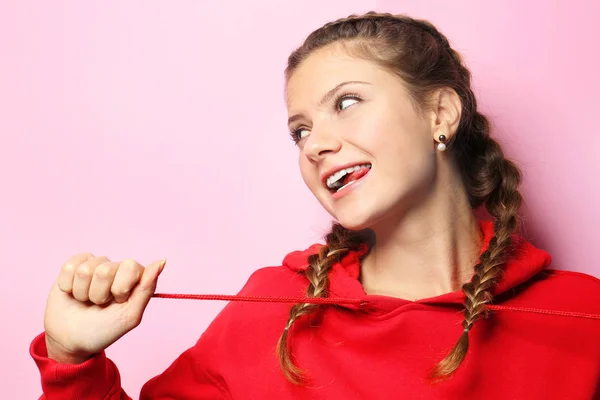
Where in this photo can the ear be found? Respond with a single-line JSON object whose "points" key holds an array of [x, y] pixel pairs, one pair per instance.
{"points": [[446, 112]]}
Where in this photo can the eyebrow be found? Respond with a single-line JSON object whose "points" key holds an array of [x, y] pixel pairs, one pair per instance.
{"points": [[327, 97]]}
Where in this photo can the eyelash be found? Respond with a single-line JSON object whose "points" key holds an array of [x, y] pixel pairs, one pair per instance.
{"points": [[295, 134]]}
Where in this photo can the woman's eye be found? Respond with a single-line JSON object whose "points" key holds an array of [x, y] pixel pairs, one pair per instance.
{"points": [[346, 102], [299, 134], [302, 133]]}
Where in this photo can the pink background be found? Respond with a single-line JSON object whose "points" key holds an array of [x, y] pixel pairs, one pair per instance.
{"points": [[157, 129]]}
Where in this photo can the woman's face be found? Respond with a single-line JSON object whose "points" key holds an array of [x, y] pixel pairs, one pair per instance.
{"points": [[350, 113]]}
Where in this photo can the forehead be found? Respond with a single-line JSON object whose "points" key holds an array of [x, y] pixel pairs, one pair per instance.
{"points": [[323, 70]]}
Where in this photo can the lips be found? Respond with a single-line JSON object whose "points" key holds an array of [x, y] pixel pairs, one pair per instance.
{"points": [[328, 173], [351, 183]]}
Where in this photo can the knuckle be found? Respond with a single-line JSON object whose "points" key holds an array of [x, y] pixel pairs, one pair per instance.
{"points": [[69, 268], [84, 270], [129, 263], [103, 272], [130, 266]]}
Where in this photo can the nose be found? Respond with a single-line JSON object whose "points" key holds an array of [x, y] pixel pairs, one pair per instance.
{"points": [[318, 144]]}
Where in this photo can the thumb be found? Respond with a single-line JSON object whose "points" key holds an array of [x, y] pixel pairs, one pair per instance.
{"points": [[143, 291]]}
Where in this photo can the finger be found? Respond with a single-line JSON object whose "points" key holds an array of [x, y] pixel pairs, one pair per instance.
{"points": [[128, 275], [102, 281], [83, 277], [67, 272], [142, 293]]}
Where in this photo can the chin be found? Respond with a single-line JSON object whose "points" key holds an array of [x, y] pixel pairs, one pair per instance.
{"points": [[355, 220], [368, 214], [356, 214]]}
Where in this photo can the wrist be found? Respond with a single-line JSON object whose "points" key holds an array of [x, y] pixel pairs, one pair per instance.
{"points": [[59, 354]]}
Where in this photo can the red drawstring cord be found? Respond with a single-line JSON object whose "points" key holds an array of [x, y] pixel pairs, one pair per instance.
{"points": [[333, 300], [548, 312], [260, 299]]}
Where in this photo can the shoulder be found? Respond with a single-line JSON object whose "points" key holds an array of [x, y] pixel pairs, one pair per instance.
{"points": [[569, 283], [563, 290], [581, 287], [572, 280]]}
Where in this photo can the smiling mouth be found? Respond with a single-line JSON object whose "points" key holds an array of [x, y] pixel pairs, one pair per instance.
{"points": [[346, 176]]}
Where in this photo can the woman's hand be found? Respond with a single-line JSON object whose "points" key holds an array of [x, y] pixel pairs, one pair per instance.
{"points": [[94, 302]]}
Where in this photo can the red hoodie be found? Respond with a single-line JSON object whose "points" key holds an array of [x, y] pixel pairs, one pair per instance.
{"points": [[382, 348]]}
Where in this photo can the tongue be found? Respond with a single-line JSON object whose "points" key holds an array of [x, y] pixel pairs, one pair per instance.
{"points": [[356, 175]]}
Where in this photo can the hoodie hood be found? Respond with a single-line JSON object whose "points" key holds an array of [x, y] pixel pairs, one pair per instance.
{"points": [[524, 263]]}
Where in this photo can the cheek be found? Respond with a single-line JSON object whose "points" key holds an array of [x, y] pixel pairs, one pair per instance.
{"points": [[399, 129], [310, 177], [401, 145], [308, 172], [380, 128]]}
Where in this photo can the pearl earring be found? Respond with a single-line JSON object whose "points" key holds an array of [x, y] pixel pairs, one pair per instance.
{"points": [[441, 146]]}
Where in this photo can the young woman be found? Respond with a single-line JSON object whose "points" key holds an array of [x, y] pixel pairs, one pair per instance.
{"points": [[412, 296]]}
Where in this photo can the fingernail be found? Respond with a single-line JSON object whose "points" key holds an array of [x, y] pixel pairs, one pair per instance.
{"points": [[161, 266]]}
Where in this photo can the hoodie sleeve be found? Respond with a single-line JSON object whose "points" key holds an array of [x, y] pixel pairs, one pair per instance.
{"points": [[98, 379]]}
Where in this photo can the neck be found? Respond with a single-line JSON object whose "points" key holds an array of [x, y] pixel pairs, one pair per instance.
{"points": [[429, 251]]}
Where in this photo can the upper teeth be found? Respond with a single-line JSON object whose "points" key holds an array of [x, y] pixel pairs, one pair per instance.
{"points": [[331, 181]]}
